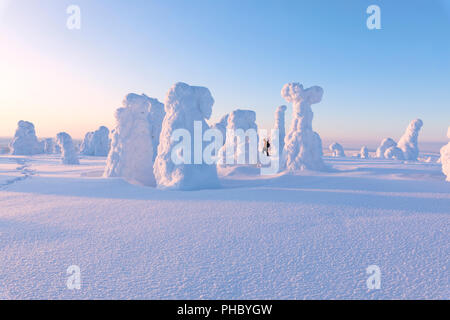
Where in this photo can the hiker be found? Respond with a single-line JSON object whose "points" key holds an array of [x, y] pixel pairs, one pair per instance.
{"points": [[266, 147]]}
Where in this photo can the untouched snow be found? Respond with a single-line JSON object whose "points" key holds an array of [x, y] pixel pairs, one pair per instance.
{"points": [[304, 236]]}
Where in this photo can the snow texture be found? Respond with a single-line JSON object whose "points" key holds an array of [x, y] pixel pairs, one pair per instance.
{"points": [[303, 236], [385, 144], [364, 153], [241, 145], [96, 143], [445, 157], [25, 141], [184, 104], [408, 143], [394, 152], [303, 146], [68, 152], [336, 150], [131, 153]]}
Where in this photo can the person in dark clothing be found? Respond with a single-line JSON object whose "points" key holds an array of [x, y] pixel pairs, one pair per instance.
{"points": [[266, 147]]}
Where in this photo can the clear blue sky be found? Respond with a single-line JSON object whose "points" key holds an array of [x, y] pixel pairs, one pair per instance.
{"points": [[375, 81]]}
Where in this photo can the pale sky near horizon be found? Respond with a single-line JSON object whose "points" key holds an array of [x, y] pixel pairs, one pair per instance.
{"points": [[375, 81]]}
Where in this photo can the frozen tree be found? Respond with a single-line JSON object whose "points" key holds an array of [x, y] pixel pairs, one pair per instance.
{"points": [[186, 108], [394, 152], [364, 153], [408, 143], [241, 143], [155, 118], [68, 153], [385, 144], [278, 145], [303, 146], [221, 125], [445, 157], [336, 150], [25, 141], [49, 146], [131, 153], [96, 143]]}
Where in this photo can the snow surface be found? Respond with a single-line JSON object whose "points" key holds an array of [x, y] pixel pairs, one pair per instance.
{"points": [[309, 235]]}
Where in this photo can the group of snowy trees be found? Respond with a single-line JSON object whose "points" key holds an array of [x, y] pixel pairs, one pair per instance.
{"points": [[406, 149], [151, 143], [142, 124], [25, 142]]}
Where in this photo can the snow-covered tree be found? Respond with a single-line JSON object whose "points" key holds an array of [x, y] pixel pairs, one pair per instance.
{"points": [[394, 152], [68, 152], [25, 141], [155, 118], [131, 153], [177, 166], [336, 150], [49, 146], [408, 143], [96, 143], [241, 142], [364, 153], [385, 144], [445, 157], [280, 125], [303, 146], [221, 125]]}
